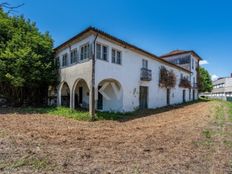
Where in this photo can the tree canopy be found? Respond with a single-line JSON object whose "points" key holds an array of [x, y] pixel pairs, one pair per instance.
{"points": [[26, 58], [205, 82]]}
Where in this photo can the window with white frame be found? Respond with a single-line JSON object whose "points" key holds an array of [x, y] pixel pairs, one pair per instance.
{"points": [[98, 51], [85, 52], [57, 61], [101, 52], [145, 64], [65, 60], [193, 63], [74, 56], [116, 57]]}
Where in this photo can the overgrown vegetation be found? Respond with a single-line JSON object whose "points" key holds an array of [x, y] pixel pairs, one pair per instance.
{"points": [[185, 83], [31, 161], [26, 61], [167, 78], [74, 114], [204, 80], [217, 136]]}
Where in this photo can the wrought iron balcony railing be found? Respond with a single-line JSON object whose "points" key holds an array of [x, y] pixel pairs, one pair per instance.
{"points": [[146, 74]]}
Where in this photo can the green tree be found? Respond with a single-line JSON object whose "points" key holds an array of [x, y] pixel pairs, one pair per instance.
{"points": [[26, 60], [204, 80]]}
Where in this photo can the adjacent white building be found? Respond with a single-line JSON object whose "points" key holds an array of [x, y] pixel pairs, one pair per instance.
{"points": [[121, 76], [222, 89]]}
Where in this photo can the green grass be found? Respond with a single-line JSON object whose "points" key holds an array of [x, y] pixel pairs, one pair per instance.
{"points": [[33, 162], [83, 115], [207, 133], [229, 105], [74, 114], [220, 114], [59, 111]]}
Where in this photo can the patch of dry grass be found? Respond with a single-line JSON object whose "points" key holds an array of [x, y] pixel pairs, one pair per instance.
{"points": [[164, 141]]}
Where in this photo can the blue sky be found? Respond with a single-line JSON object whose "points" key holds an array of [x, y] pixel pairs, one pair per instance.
{"points": [[158, 26]]}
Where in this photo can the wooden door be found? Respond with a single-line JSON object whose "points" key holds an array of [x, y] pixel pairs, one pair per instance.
{"points": [[143, 97]]}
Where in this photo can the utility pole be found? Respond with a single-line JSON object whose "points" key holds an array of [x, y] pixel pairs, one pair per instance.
{"points": [[92, 104]]}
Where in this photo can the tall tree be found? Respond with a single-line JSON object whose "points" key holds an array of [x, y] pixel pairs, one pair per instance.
{"points": [[26, 59], [204, 81]]}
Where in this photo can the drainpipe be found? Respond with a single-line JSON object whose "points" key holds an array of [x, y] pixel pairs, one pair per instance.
{"points": [[92, 105]]}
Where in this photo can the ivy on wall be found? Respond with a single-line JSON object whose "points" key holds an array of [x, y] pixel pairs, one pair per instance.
{"points": [[167, 78], [184, 83]]}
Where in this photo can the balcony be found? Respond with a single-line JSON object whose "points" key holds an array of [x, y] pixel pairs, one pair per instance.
{"points": [[145, 74]]}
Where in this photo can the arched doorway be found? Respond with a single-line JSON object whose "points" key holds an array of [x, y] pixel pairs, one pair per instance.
{"points": [[65, 95], [109, 96], [80, 94]]}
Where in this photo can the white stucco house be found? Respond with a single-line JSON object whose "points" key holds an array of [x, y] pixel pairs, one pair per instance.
{"points": [[98, 69], [222, 89]]}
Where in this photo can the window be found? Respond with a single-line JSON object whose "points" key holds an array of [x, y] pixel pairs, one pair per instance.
{"points": [[57, 61], [145, 64], [193, 63], [65, 60], [181, 76], [98, 51], [85, 52], [105, 53], [73, 56], [182, 60], [116, 57], [102, 52]]}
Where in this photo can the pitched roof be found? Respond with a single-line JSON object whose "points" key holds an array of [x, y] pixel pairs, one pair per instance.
{"points": [[178, 52], [119, 41]]}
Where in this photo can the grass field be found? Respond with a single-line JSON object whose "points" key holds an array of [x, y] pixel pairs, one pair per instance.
{"points": [[194, 138]]}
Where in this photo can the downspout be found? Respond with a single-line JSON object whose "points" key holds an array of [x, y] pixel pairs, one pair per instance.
{"points": [[92, 107]]}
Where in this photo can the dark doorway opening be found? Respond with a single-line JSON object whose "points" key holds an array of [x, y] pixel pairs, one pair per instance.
{"points": [[168, 96], [193, 94], [100, 100], [184, 94]]}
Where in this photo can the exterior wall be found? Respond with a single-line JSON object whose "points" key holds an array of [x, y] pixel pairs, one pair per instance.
{"points": [[193, 69], [128, 74], [72, 73], [224, 92]]}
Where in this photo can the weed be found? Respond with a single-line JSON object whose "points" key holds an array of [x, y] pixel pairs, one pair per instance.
{"points": [[207, 133], [34, 162]]}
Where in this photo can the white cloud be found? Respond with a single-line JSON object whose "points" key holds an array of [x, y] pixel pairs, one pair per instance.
{"points": [[214, 77], [204, 62]]}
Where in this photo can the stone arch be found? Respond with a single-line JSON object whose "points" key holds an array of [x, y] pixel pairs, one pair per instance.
{"points": [[80, 94], [64, 94], [109, 95]]}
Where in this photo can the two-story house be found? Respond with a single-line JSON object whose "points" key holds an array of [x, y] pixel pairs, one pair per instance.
{"points": [[98, 70], [190, 61], [222, 89]]}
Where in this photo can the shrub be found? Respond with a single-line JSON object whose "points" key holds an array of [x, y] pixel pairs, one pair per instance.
{"points": [[185, 83], [167, 78]]}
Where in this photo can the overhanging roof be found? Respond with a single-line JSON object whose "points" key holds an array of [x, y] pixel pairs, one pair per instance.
{"points": [[120, 42], [179, 52]]}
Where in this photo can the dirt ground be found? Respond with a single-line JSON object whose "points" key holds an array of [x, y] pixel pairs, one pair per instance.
{"points": [[167, 142]]}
